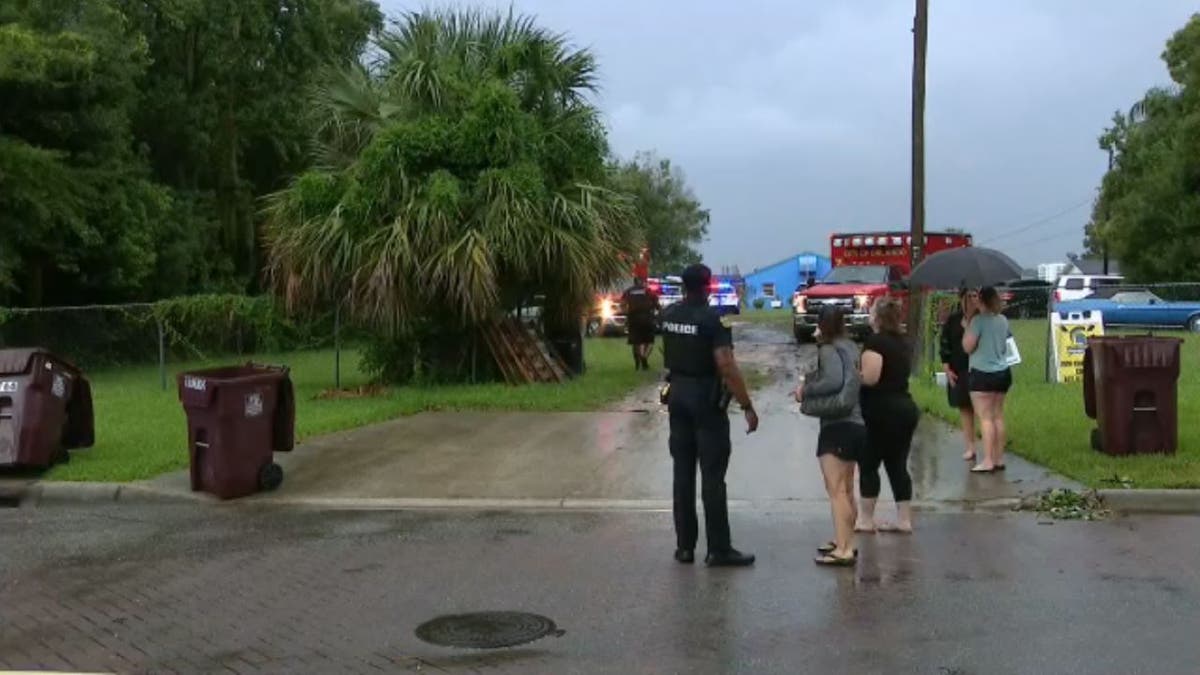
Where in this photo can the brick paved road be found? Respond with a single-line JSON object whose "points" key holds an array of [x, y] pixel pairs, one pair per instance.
{"points": [[175, 590]]}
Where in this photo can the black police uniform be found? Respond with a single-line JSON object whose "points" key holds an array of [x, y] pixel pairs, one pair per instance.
{"points": [[699, 422], [640, 304]]}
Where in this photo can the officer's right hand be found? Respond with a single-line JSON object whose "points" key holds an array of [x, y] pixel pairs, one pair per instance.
{"points": [[751, 420]]}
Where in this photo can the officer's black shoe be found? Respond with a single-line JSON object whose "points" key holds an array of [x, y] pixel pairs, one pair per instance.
{"points": [[730, 558], [685, 555]]}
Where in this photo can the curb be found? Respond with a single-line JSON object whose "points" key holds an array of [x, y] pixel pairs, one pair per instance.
{"points": [[53, 494], [1151, 501], [69, 493], [35, 494]]}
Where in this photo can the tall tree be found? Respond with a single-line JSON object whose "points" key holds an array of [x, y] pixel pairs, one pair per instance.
{"points": [[1148, 209], [672, 219], [108, 103], [79, 217], [462, 173], [221, 110]]}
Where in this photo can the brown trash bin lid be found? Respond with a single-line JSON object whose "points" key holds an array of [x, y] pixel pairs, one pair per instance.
{"points": [[18, 361], [1138, 352]]}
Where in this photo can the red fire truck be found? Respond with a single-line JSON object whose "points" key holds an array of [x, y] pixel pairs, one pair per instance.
{"points": [[866, 266]]}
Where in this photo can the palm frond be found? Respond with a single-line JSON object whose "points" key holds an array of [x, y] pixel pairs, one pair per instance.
{"points": [[452, 177]]}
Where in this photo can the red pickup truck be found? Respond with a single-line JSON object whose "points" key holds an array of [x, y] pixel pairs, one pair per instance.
{"points": [[866, 267]]}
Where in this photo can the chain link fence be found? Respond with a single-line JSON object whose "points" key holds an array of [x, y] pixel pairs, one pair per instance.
{"points": [[181, 332]]}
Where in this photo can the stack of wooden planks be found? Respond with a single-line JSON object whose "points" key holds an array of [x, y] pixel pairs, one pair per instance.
{"points": [[522, 355]]}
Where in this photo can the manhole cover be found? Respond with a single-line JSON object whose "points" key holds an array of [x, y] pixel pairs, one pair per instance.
{"points": [[486, 630]]}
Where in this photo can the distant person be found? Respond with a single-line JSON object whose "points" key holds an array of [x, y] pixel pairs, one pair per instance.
{"points": [[641, 308], [703, 376], [843, 437], [956, 366], [985, 340], [891, 416]]}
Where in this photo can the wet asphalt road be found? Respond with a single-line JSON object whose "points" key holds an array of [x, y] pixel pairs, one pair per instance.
{"points": [[259, 588], [290, 591]]}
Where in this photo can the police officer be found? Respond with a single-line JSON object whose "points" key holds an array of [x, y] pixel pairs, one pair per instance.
{"points": [[698, 349], [641, 304]]}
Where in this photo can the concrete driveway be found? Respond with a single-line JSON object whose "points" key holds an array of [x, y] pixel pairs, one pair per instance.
{"points": [[616, 458]]}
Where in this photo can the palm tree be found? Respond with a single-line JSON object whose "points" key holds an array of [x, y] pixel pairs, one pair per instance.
{"points": [[458, 174]]}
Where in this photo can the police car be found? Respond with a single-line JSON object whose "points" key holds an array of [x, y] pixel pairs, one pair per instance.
{"points": [[607, 315], [668, 289], [723, 297]]}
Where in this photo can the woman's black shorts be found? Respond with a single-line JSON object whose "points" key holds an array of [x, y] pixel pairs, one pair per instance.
{"points": [[991, 383], [845, 440], [959, 393]]}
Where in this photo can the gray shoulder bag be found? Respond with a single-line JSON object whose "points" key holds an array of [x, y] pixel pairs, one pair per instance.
{"points": [[839, 404]]}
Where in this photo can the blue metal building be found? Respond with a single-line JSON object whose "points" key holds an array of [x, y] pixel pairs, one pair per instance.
{"points": [[779, 280]]}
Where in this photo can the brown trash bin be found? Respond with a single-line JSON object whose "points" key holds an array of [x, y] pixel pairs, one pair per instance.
{"points": [[1136, 398], [1089, 384], [237, 418], [45, 409]]}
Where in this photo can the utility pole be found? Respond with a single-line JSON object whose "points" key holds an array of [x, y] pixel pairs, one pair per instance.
{"points": [[1107, 215], [917, 223]]}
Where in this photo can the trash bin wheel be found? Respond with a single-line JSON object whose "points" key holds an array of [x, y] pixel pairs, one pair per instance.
{"points": [[270, 476], [1097, 442]]}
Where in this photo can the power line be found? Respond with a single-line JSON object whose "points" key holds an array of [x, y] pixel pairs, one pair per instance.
{"points": [[1041, 221], [1048, 237]]}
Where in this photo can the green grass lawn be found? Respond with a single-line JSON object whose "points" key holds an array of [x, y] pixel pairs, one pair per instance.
{"points": [[1046, 422], [141, 431], [781, 316]]}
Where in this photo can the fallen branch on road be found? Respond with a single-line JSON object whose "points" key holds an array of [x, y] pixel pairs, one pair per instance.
{"points": [[1064, 504]]}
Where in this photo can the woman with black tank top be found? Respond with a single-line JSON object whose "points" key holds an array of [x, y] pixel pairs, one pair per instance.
{"points": [[891, 417]]}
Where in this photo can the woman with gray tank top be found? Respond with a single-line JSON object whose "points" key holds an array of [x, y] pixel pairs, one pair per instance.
{"points": [[985, 340]]}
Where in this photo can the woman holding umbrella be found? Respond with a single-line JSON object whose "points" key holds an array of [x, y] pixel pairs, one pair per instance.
{"points": [[956, 365]]}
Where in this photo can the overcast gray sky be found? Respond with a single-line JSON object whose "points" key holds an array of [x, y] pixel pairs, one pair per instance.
{"points": [[791, 118]]}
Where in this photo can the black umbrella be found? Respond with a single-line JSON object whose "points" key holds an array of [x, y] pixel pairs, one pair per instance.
{"points": [[971, 267]]}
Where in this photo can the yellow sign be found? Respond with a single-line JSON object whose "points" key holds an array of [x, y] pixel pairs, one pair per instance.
{"points": [[1069, 336]]}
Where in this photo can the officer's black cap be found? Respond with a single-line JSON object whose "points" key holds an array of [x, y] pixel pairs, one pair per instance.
{"points": [[696, 278]]}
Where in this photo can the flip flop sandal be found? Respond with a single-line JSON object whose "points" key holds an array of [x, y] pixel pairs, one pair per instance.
{"points": [[830, 547], [894, 529], [828, 560], [980, 469], [999, 467], [864, 530]]}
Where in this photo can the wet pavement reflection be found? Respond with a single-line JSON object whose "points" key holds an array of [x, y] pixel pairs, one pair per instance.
{"points": [[615, 456]]}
